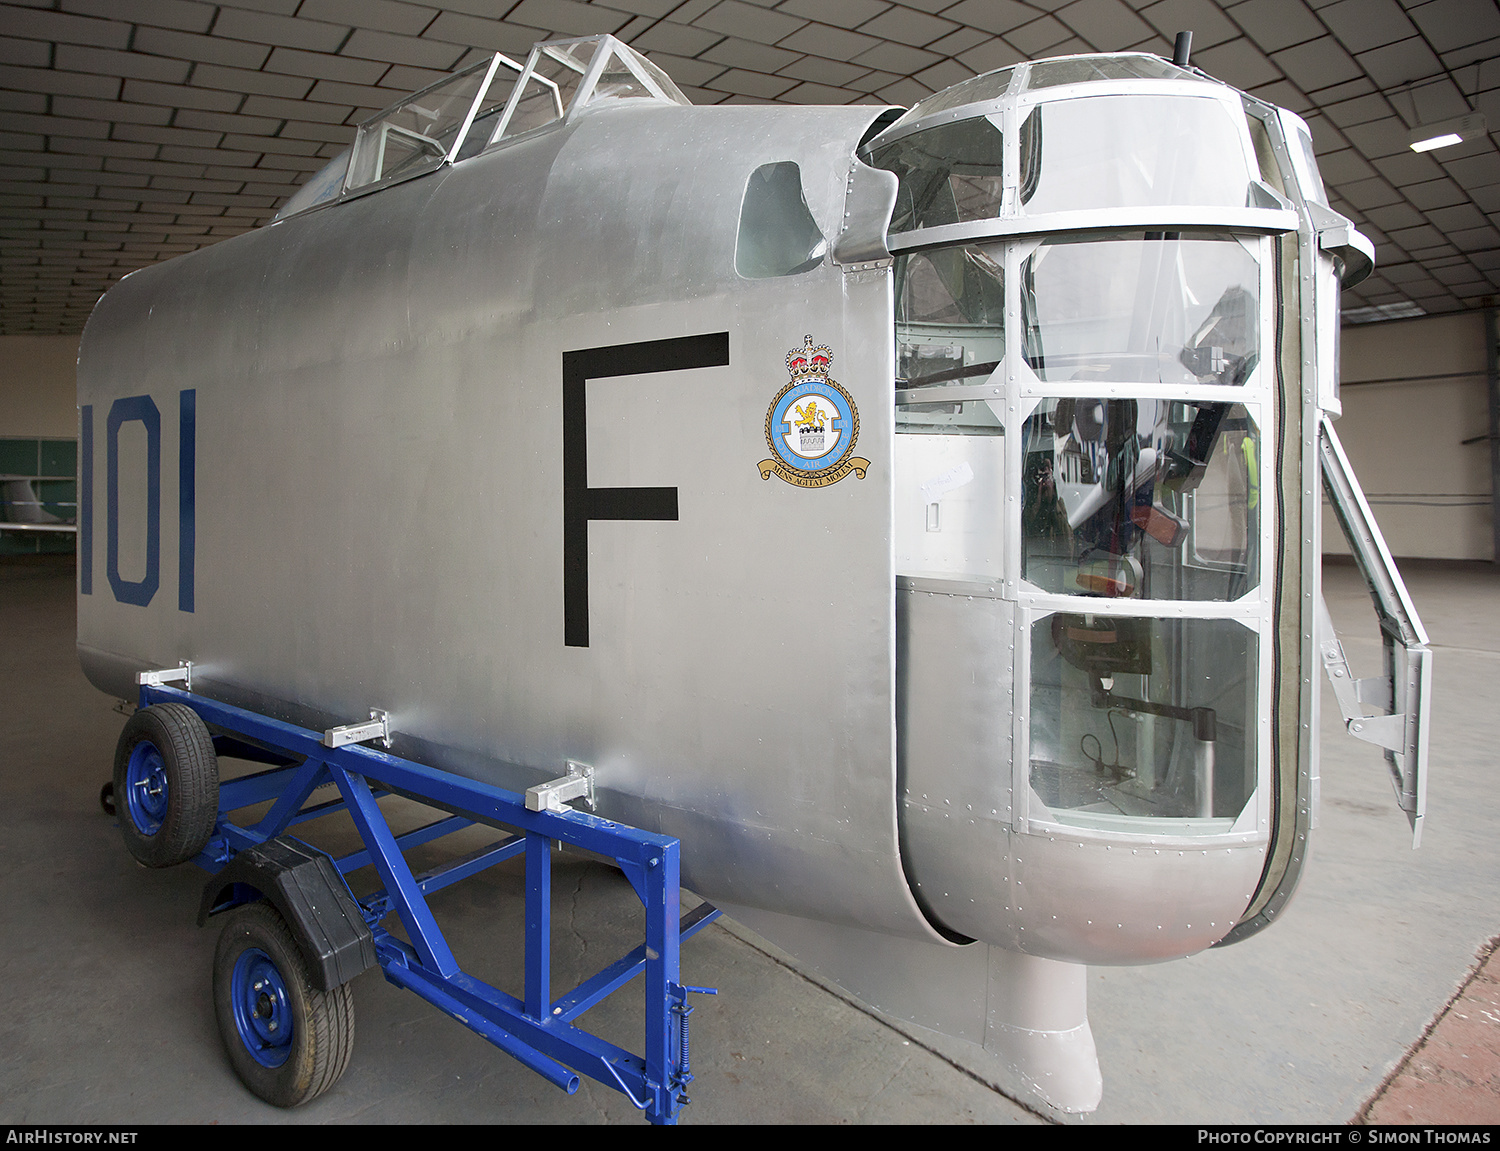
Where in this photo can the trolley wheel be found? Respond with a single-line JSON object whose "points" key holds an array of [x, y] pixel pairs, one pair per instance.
{"points": [[166, 785], [288, 1041]]}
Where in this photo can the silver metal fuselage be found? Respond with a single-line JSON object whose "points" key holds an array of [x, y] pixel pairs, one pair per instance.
{"points": [[377, 521]]}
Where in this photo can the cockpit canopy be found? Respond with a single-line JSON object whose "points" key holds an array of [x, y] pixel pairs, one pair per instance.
{"points": [[493, 101]]}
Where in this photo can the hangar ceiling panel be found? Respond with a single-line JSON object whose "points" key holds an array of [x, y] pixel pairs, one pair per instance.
{"points": [[134, 130]]}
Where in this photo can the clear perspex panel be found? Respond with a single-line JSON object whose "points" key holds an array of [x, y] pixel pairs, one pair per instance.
{"points": [[1143, 725], [1155, 308], [416, 135], [950, 307], [547, 88], [487, 114], [948, 175], [979, 90], [1131, 151], [1084, 69], [541, 102], [1128, 498]]}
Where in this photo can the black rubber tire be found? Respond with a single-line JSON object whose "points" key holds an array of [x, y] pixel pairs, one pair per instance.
{"points": [[322, 1021], [191, 772]]}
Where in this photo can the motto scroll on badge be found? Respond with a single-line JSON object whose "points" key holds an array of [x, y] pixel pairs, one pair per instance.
{"points": [[812, 424]]}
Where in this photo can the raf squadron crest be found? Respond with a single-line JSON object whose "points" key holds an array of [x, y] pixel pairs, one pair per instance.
{"points": [[812, 424]]}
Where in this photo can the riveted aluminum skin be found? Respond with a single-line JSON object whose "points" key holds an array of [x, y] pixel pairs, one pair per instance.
{"points": [[379, 491]]}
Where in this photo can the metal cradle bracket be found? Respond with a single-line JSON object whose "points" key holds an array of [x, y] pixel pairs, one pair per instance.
{"points": [[379, 728], [183, 672], [1338, 236], [555, 794], [1383, 730]]}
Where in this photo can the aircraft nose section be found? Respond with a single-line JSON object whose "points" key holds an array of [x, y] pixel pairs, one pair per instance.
{"points": [[985, 855]]}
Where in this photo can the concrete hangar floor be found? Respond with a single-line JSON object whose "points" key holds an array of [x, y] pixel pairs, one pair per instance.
{"points": [[109, 1018]]}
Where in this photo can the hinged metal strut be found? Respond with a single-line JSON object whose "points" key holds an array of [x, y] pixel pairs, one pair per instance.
{"points": [[1401, 697]]}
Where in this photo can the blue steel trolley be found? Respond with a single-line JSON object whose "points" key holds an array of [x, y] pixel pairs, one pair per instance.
{"points": [[296, 935]]}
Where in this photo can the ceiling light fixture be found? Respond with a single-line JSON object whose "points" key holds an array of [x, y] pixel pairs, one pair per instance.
{"points": [[1445, 133]]}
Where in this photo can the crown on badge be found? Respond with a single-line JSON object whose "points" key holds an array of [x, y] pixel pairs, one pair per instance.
{"points": [[808, 360]]}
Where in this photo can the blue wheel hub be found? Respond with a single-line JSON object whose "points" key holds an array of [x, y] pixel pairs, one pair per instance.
{"points": [[146, 788], [262, 1014]]}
